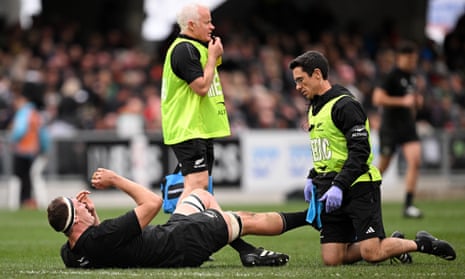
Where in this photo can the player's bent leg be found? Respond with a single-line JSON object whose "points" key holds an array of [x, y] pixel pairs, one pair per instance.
{"points": [[258, 256], [190, 205], [199, 200], [193, 181], [375, 250], [404, 258], [263, 223], [234, 225], [334, 254]]}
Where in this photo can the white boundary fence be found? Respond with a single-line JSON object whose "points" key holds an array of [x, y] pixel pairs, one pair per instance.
{"points": [[255, 166]]}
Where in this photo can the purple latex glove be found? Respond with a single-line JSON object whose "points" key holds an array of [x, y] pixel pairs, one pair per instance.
{"points": [[333, 198], [308, 190]]}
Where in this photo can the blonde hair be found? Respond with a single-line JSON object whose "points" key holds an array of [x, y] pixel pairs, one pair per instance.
{"points": [[187, 13]]}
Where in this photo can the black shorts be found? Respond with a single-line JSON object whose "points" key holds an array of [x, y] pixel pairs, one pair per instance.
{"points": [[195, 155], [358, 218], [390, 138], [204, 233]]}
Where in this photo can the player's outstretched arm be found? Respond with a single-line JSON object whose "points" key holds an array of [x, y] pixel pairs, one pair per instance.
{"points": [[148, 203]]}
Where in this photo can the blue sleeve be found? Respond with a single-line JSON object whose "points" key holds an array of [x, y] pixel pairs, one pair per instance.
{"points": [[44, 137], [20, 124]]}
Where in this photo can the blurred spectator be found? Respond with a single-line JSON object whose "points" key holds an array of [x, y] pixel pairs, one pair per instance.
{"points": [[102, 64], [457, 86], [152, 108], [454, 46], [346, 77], [130, 121], [6, 111], [29, 139]]}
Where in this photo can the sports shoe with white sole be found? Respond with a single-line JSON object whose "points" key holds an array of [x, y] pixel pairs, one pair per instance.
{"points": [[404, 258], [431, 245], [263, 257], [412, 212]]}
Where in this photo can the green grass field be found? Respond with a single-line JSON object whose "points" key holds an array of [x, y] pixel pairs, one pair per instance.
{"points": [[29, 248]]}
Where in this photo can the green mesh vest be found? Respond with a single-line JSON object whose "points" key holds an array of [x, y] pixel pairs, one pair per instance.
{"points": [[329, 146], [186, 115]]}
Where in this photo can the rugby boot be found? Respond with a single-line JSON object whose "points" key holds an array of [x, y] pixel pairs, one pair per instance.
{"points": [[431, 245], [404, 258], [263, 257]]}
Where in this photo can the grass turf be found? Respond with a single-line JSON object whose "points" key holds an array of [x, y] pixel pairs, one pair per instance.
{"points": [[29, 248]]}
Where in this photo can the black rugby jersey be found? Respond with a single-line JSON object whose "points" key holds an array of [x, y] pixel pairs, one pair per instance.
{"points": [[398, 83], [120, 243]]}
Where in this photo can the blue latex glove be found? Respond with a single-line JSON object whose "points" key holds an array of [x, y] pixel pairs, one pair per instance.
{"points": [[333, 198], [308, 190]]}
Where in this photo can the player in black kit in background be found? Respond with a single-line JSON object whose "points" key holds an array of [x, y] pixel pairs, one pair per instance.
{"points": [[399, 101]]}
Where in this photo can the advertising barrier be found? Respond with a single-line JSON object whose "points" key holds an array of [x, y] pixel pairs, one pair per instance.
{"points": [[274, 161], [147, 160]]}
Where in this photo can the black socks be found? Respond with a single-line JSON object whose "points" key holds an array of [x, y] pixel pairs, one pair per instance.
{"points": [[241, 246], [290, 221], [408, 199], [294, 220]]}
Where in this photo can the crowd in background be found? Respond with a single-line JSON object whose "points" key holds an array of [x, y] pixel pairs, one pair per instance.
{"points": [[104, 81]]}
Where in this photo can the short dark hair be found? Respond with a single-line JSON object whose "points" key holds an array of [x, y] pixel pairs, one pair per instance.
{"points": [[311, 60], [406, 47], [58, 212]]}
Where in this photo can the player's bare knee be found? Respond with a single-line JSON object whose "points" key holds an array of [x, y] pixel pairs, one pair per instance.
{"points": [[369, 256], [330, 261], [204, 196], [195, 200]]}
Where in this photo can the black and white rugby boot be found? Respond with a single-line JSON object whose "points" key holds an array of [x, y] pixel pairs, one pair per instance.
{"points": [[263, 257], [404, 258], [431, 245]]}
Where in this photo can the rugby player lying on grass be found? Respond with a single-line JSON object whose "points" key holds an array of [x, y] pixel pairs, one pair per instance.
{"points": [[197, 229]]}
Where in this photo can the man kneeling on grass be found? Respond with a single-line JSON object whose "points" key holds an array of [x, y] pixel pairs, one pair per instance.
{"points": [[197, 229]]}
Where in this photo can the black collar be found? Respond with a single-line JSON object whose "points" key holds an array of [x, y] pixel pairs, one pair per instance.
{"points": [[184, 36], [320, 100]]}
